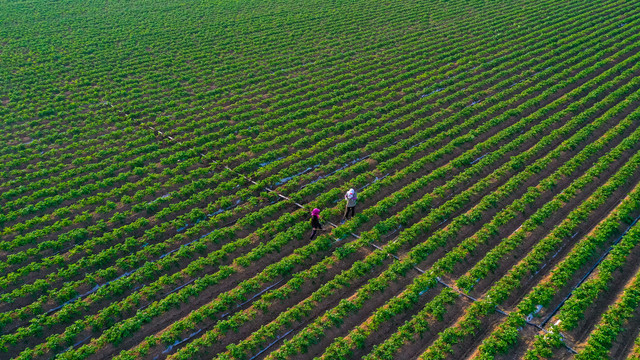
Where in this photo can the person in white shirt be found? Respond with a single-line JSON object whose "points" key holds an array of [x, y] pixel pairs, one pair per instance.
{"points": [[351, 198]]}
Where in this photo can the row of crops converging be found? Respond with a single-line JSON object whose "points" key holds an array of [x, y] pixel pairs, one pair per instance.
{"points": [[160, 162]]}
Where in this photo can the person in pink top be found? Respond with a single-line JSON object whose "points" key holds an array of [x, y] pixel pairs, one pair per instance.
{"points": [[315, 222]]}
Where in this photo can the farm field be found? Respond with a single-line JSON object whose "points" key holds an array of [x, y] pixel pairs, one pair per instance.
{"points": [[160, 160]]}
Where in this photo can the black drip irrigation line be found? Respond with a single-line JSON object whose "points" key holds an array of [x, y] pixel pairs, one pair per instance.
{"points": [[71, 347], [179, 342], [252, 299], [575, 287], [501, 312], [460, 292], [454, 288], [275, 342], [584, 278]]}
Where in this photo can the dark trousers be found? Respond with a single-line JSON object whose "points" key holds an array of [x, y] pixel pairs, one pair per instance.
{"points": [[350, 210], [314, 232]]}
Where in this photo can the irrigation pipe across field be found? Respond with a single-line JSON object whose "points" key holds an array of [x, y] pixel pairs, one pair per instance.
{"points": [[452, 287]]}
